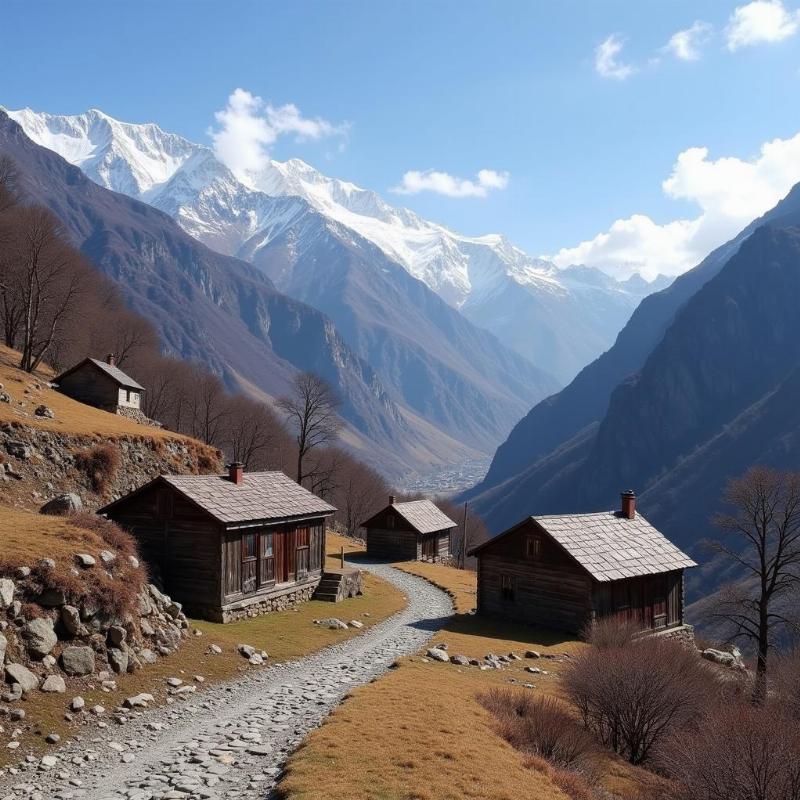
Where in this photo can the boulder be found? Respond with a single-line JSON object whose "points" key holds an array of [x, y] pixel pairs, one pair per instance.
{"points": [[138, 700], [78, 660], [246, 650], [732, 660], [19, 450], [39, 636], [461, 661], [71, 620], [54, 683], [52, 598], [147, 656], [62, 504], [532, 654], [16, 673], [107, 557], [85, 560], [77, 703], [437, 654], [118, 660], [44, 411], [6, 592]]}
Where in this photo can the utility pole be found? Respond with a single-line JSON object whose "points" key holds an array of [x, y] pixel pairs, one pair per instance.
{"points": [[464, 541]]}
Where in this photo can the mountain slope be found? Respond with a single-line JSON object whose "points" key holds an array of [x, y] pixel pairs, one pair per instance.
{"points": [[557, 320], [554, 421], [219, 310], [716, 394]]}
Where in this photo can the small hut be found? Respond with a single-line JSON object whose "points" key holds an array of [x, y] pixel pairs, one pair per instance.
{"points": [[564, 571], [228, 546], [101, 384], [412, 531]]}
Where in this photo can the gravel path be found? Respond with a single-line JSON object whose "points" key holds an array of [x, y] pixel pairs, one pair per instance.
{"points": [[232, 740]]}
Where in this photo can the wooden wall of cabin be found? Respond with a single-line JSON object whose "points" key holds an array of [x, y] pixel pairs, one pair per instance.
{"points": [[179, 543], [652, 601], [260, 558], [89, 385], [527, 577], [393, 544]]}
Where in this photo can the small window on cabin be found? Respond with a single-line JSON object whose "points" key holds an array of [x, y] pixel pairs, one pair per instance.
{"points": [[507, 587], [533, 547], [248, 546], [266, 545], [390, 521]]}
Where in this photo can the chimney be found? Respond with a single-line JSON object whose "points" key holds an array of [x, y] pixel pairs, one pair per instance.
{"points": [[236, 472], [111, 360], [628, 504], [391, 499]]}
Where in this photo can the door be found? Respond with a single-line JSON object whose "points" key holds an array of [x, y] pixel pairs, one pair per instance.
{"points": [[279, 547], [429, 546], [249, 562], [302, 542]]}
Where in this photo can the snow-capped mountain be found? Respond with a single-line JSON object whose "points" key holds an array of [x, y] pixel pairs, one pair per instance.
{"points": [[560, 320]]}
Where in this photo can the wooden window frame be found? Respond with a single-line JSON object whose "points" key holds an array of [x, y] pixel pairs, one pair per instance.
{"points": [[266, 563], [249, 556], [302, 555], [533, 547]]}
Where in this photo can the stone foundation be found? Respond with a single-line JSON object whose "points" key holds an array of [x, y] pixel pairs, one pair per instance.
{"points": [[682, 633], [255, 606]]}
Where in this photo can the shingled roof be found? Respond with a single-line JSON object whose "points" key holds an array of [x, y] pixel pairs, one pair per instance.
{"points": [[115, 373], [260, 496], [423, 515], [609, 545]]}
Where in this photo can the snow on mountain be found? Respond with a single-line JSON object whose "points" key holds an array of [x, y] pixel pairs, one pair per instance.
{"points": [[558, 319]]}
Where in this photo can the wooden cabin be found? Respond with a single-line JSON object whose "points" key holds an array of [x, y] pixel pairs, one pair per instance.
{"points": [[412, 531], [101, 384], [228, 546], [565, 571]]}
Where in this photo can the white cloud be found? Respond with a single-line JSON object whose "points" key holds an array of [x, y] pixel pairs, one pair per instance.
{"points": [[486, 180], [248, 127], [730, 192], [686, 44], [606, 59], [761, 21]]}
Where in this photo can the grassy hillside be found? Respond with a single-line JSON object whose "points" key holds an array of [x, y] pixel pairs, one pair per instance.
{"points": [[427, 736]]}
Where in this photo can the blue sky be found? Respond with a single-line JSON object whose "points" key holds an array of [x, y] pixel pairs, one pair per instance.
{"points": [[579, 110]]}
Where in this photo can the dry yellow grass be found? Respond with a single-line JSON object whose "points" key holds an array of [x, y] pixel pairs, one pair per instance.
{"points": [[26, 537], [71, 416], [419, 733], [284, 635]]}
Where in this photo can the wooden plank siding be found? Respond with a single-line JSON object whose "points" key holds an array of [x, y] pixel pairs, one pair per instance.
{"points": [[89, 385], [390, 537]]}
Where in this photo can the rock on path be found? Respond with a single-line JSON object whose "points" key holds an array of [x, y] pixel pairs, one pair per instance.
{"points": [[233, 739]]}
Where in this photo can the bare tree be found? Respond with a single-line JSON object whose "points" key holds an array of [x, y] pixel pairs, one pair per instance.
{"points": [[361, 493], [45, 278], [311, 411], [210, 407], [250, 432], [762, 538]]}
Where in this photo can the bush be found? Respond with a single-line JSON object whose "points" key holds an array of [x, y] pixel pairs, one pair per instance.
{"points": [[540, 727], [608, 633], [786, 684], [633, 696], [737, 752], [100, 464]]}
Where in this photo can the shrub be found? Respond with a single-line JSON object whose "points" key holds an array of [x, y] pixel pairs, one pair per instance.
{"points": [[540, 727], [608, 633], [100, 464], [635, 695], [786, 684], [738, 752]]}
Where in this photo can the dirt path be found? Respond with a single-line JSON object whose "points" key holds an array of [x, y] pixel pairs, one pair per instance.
{"points": [[232, 740]]}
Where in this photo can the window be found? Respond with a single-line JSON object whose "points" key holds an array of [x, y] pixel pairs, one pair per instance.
{"points": [[302, 544], [249, 562], [127, 395], [507, 587], [533, 547], [266, 573]]}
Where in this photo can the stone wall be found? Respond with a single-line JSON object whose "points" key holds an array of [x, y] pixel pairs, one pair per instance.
{"points": [[255, 606], [682, 633], [37, 465]]}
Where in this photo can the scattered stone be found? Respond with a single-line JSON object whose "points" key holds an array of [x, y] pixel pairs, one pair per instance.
{"points": [[133, 561], [54, 684], [214, 649], [6, 592], [533, 670], [71, 620], [147, 656], [47, 563], [354, 623], [44, 411], [246, 650], [98, 711], [118, 660], [117, 635], [77, 703], [532, 654], [3, 646], [78, 660], [23, 676], [85, 560], [438, 654], [461, 661], [138, 700], [174, 682], [62, 504], [52, 738], [107, 557]]}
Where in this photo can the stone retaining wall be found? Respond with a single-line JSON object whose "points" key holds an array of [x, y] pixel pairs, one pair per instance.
{"points": [[256, 607]]}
